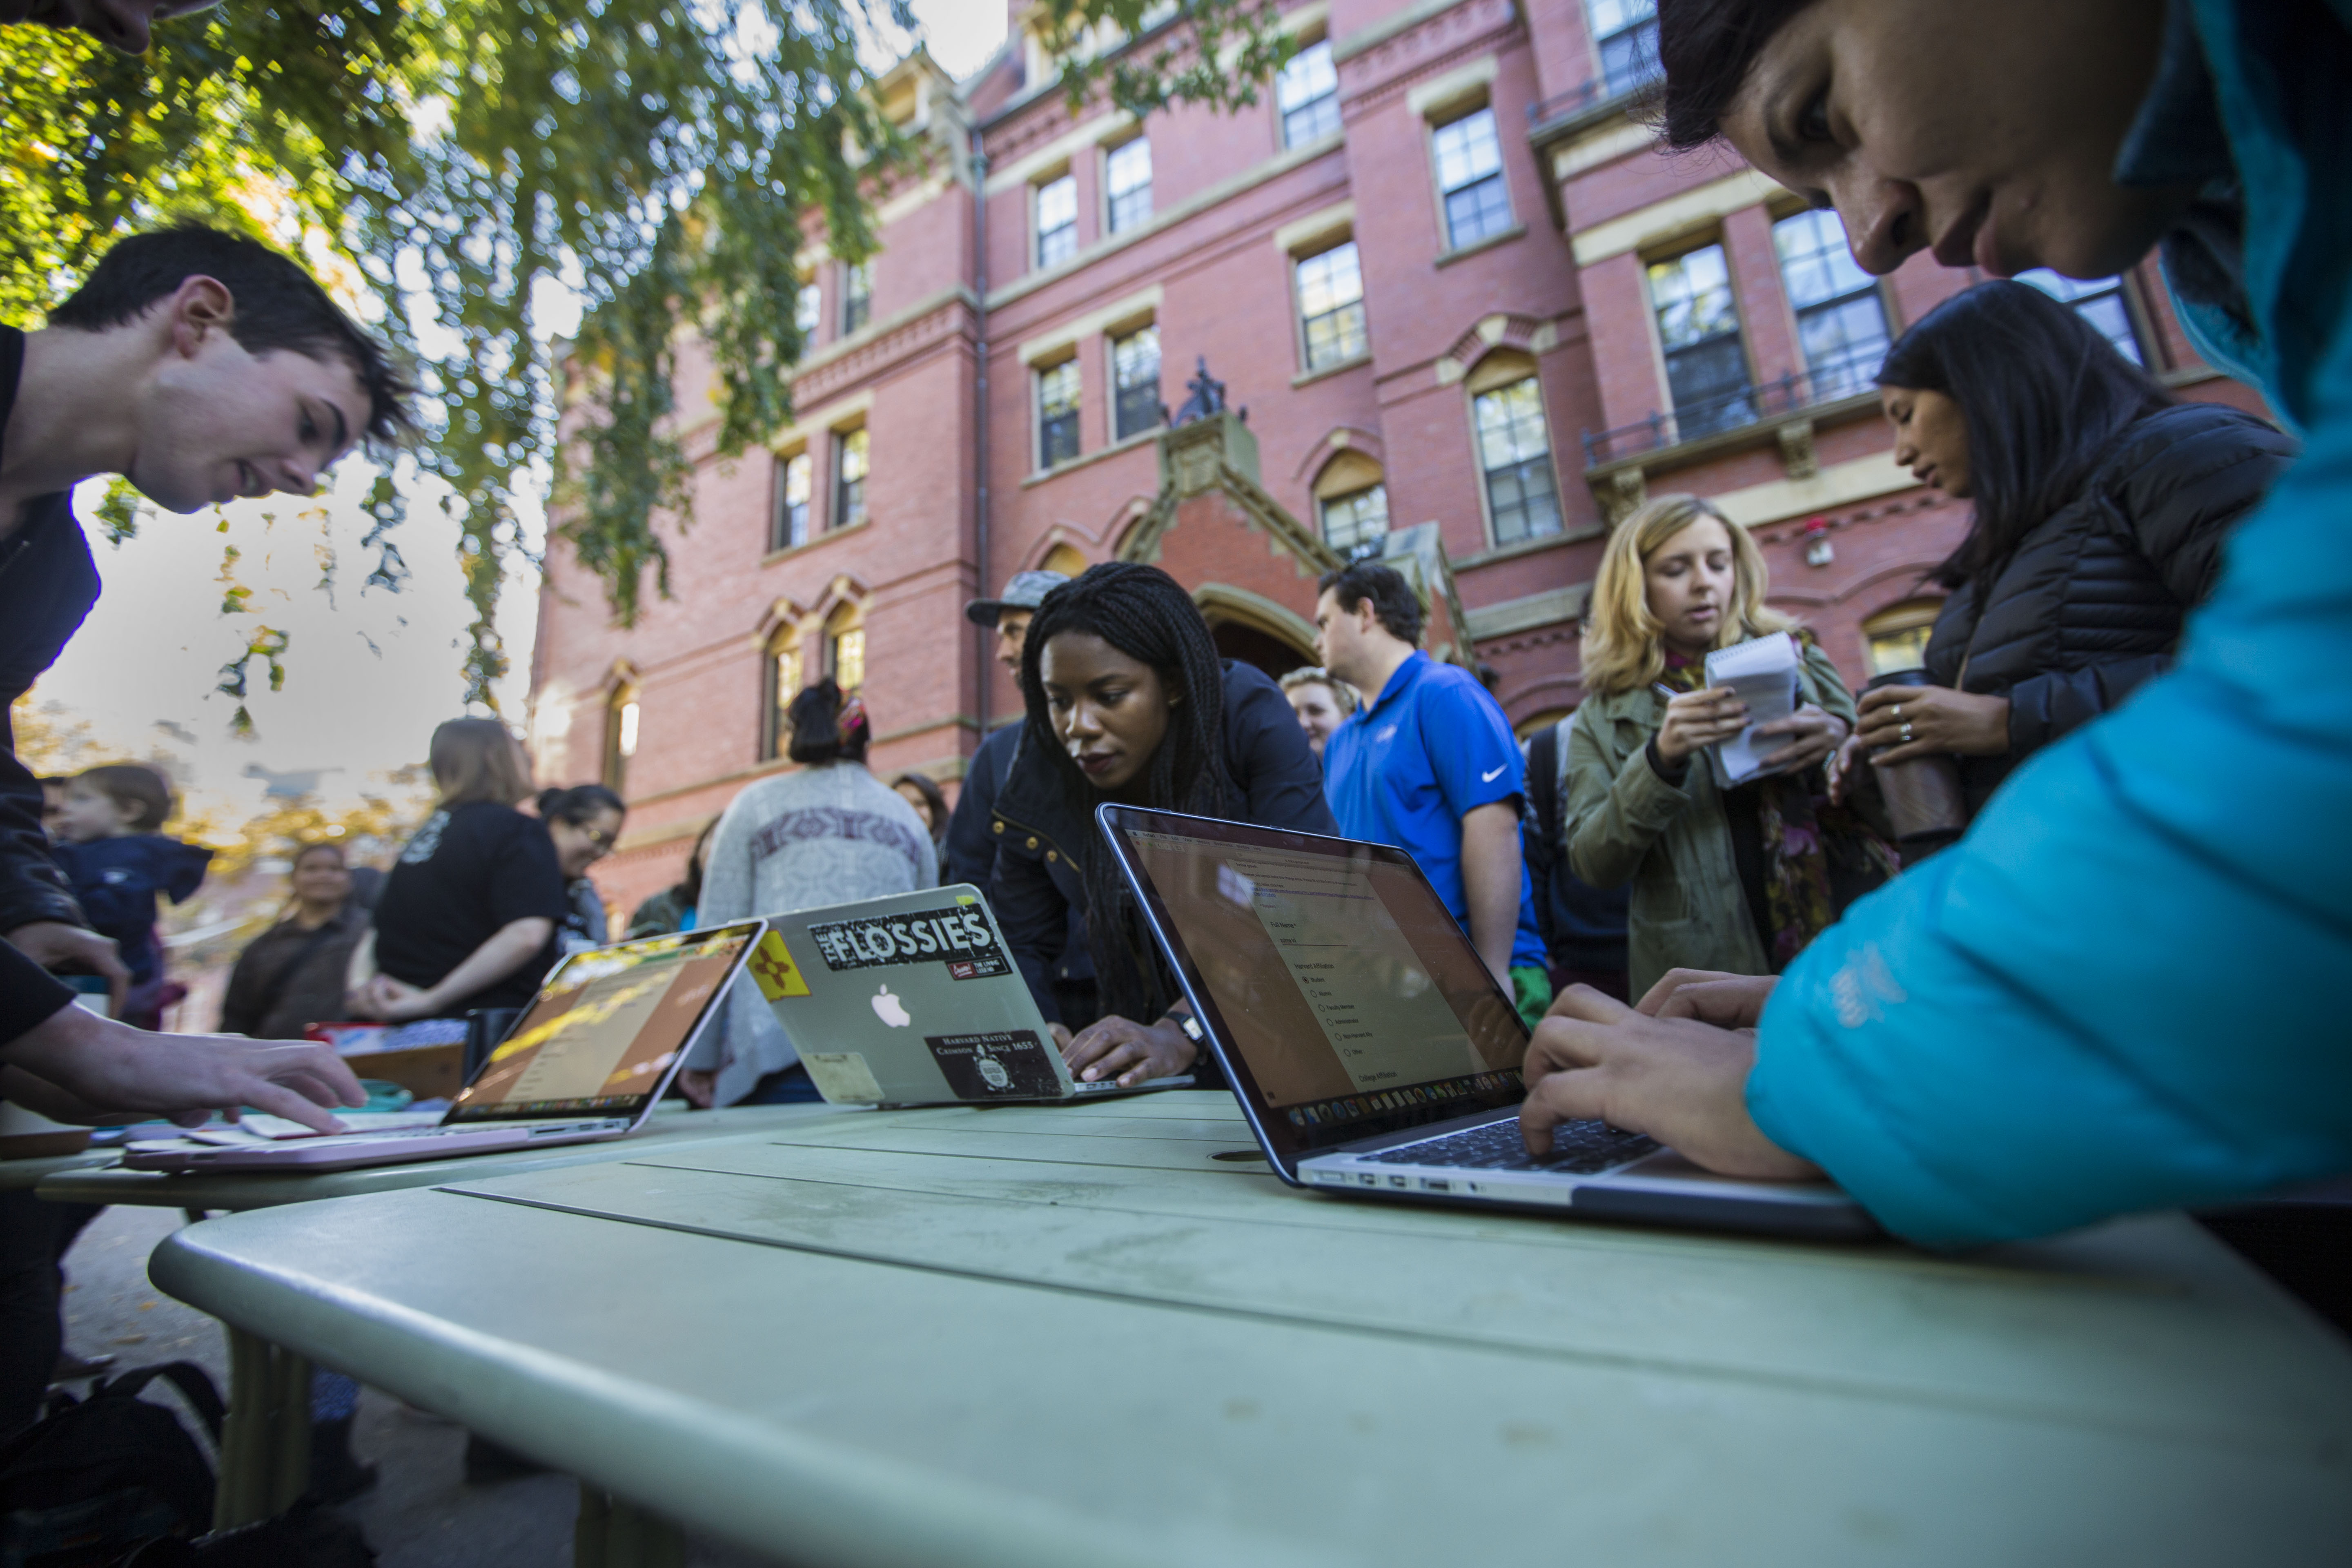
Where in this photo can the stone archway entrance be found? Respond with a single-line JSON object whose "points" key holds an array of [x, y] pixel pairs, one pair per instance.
{"points": [[1240, 640]]}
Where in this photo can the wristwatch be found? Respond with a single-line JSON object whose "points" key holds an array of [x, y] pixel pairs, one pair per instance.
{"points": [[1191, 1027]]}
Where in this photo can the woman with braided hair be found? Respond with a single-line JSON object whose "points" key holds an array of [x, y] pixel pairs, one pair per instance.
{"points": [[1128, 702]]}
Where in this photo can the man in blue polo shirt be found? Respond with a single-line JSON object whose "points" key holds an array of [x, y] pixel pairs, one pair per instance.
{"points": [[1429, 766]]}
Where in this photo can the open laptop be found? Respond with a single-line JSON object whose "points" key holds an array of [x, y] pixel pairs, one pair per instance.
{"points": [[914, 999], [1372, 1052], [586, 1061]]}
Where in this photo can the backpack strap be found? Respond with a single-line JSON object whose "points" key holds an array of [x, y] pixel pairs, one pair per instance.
{"points": [[1543, 785], [195, 1384]]}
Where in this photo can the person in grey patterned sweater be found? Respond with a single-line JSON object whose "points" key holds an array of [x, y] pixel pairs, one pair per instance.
{"points": [[826, 832]]}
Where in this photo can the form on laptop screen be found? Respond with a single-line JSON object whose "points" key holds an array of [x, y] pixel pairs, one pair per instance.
{"points": [[1343, 981], [603, 1029]]}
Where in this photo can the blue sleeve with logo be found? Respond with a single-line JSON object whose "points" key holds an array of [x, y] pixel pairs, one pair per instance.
{"points": [[1472, 752]]}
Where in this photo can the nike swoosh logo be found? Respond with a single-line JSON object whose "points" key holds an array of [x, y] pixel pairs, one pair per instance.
{"points": [[1490, 778]]}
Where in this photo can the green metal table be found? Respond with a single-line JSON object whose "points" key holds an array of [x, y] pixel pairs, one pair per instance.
{"points": [[264, 1446], [1084, 1335]]}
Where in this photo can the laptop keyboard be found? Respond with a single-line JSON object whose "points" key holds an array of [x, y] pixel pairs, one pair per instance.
{"points": [[1577, 1149]]}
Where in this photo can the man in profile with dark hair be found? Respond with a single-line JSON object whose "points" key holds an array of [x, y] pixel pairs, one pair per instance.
{"points": [[1429, 764], [202, 366]]}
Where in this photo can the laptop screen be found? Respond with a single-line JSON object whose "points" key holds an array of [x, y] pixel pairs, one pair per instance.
{"points": [[1335, 971], [600, 1037]]}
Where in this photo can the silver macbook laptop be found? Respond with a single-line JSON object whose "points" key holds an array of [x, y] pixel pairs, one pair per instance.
{"points": [[915, 1000], [587, 1060], [1371, 1050]]}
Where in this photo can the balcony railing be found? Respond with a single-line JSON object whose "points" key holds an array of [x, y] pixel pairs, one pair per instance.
{"points": [[1792, 393]]}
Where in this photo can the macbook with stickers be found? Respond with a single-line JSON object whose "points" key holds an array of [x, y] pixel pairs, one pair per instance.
{"points": [[587, 1060], [914, 999], [1372, 1049]]}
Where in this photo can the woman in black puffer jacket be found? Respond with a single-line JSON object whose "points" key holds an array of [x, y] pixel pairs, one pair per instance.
{"points": [[2101, 506]]}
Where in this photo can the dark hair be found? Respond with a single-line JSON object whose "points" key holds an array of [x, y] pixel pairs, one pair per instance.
{"points": [[827, 726], [578, 803], [315, 845], [2042, 397], [931, 795], [1145, 614], [690, 886], [279, 306], [1706, 49], [134, 786], [1393, 600]]}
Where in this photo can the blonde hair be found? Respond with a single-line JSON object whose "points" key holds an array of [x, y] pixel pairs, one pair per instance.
{"points": [[1623, 644], [477, 759], [1343, 696]]}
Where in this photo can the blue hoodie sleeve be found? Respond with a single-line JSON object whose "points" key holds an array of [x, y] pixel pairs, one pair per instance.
{"points": [[2017, 1038]]}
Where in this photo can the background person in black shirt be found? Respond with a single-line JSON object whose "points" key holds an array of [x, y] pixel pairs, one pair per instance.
{"points": [[469, 915]]}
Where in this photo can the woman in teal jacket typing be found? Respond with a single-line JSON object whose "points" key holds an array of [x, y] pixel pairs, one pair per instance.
{"points": [[2008, 1040]]}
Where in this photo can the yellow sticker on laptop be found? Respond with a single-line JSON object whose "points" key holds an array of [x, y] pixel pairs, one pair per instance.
{"points": [[772, 968]]}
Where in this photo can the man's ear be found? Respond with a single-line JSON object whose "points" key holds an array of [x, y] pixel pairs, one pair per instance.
{"points": [[198, 308]]}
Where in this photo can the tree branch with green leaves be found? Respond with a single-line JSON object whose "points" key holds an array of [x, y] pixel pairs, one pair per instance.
{"points": [[450, 160]]}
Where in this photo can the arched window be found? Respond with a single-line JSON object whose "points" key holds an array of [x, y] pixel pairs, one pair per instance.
{"points": [[1064, 559], [620, 736], [845, 646], [781, 678], [1896, 638], [1507, 415], [1351, 502]]}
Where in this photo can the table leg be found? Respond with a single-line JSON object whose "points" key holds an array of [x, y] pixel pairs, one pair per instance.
{"points": [[612, 1533], [265, 1461]]}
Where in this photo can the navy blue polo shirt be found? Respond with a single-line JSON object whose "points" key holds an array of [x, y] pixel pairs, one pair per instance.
{"points": [[1406, 770]]}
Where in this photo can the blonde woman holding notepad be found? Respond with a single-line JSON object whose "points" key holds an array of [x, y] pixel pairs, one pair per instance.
{"points": [[1731, 879]]}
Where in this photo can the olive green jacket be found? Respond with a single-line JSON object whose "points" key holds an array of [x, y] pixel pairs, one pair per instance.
{"points": [[1625, 823]]}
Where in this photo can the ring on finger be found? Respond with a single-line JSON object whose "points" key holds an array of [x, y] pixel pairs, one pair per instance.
{"points": [[1898, 712], [1906, 734]]}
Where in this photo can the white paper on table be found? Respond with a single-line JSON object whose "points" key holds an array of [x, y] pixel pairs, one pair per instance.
{"points": [[1762, 673]]}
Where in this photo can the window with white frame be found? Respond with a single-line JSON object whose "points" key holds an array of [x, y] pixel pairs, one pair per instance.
{"points": [[849, 459], [1127, 177], [1841, 317], [1625, 36], [1515, 453], [1058, 414], [1470, 176], [794, 481], [857, 296], [1058, 220], [1307, 94], [1357, 521], [807, 304], [1135, 382], [1698, 326], [2100, 301], [1332, 306]]}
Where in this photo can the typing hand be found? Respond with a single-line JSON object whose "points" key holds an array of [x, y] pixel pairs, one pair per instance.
{"points": [[1130, 1051], [1711, 996], [113, 1067], [52, 943], [1682, 1082]]}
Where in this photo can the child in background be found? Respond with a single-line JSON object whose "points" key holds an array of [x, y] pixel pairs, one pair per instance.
{"points": [[117, 862]]}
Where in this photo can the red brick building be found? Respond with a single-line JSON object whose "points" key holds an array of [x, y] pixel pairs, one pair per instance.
{"points": [[1472, 316]]}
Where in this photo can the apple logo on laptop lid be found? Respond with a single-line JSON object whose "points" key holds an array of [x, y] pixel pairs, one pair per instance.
{"points": [[890, 1010]]}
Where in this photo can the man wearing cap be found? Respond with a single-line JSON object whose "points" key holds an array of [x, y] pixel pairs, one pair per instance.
{"points": [[971, 838]]}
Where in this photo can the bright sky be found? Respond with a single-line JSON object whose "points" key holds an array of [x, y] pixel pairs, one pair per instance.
{"points": [[368, 673]]}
